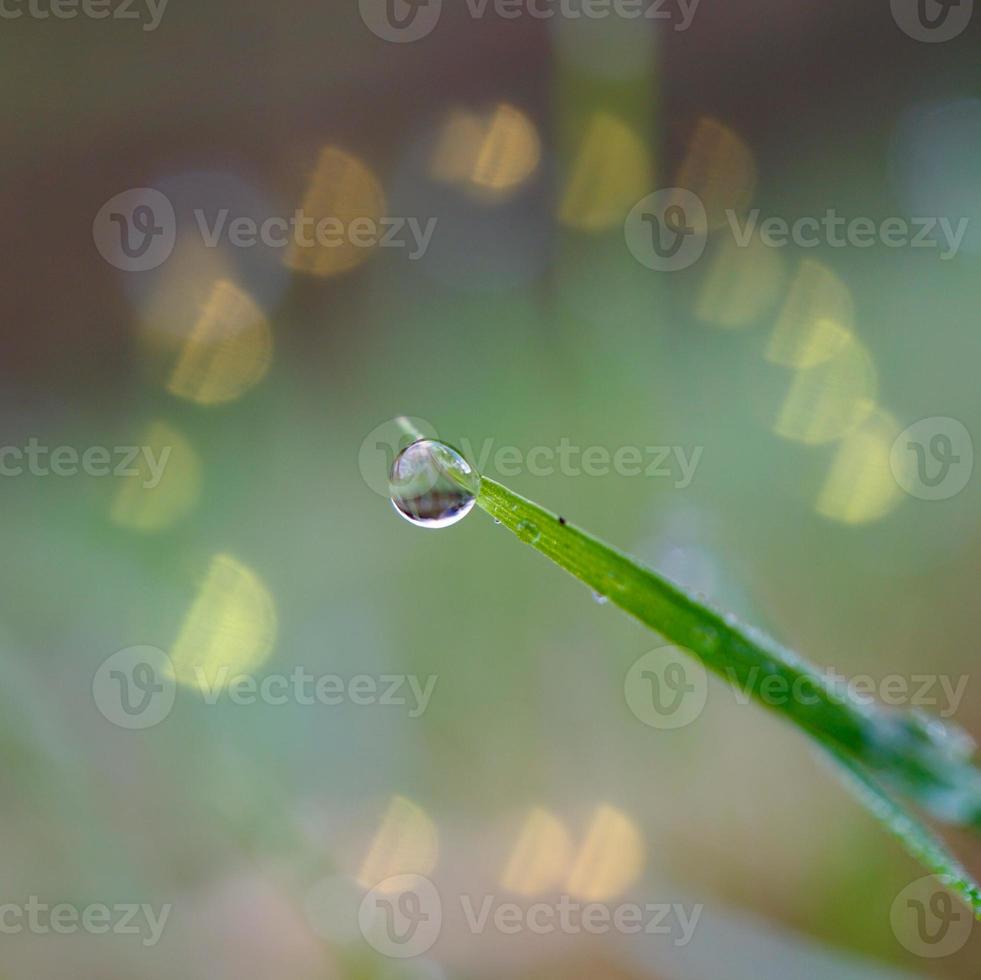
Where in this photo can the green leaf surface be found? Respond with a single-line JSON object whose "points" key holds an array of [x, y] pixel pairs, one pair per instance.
{"points": [[888, 751], [918, 839]]}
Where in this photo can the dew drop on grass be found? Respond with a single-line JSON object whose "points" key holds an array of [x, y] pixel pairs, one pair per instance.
{"points": [[527, 531], [432, 485], [705, 638], [945, 735], [600, 598]]}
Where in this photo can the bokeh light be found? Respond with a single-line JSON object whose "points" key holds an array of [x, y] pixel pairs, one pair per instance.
{"points": [[610, 858], [741, 284], [860, 486], [489, 154], [816, 319], [541, 855], [166, 483], [610, 171], [227, 352], [406, 842], [229, 629], [827, 400], [342, 197], [720, 168]]}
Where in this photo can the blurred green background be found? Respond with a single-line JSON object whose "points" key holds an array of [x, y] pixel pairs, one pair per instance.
{"points": [[265, 372]]}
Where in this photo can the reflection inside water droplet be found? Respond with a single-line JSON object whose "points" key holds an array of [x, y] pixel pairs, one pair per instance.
{"points": [[432, 485]]}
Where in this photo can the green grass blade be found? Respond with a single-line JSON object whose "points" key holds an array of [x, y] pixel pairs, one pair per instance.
{"points": [[922, 843], [905, 752]]}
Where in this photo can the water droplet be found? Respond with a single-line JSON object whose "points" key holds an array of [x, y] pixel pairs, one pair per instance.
{"points": [[704, 638], [600, 598], [432, 485], [527, 531], [946, 735], [497, 520]]}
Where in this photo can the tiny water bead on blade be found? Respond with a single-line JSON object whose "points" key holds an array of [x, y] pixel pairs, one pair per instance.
{"points": [[432, 485], [528, 531]]}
